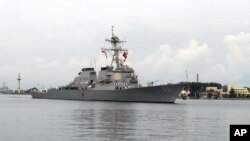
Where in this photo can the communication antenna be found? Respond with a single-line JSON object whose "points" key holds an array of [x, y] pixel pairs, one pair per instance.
{"points": [[187, 75], [19, 81], [95, 62], [90, 61], [112, 30]]}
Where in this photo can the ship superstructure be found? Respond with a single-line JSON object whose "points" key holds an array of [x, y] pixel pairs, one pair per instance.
{"points": [[111, 77]]}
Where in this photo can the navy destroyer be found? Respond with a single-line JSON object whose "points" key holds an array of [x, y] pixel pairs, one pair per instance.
{"points": [[115, 82]]}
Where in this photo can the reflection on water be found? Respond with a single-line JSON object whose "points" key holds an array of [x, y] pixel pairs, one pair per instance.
{"points": [[105, 124], [32, 119], [125, 124]]}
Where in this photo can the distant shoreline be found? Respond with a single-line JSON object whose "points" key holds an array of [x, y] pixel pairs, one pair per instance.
{"points": [[243, 99]]}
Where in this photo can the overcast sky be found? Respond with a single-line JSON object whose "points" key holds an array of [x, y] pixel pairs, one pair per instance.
{"points": [[49, 41]]}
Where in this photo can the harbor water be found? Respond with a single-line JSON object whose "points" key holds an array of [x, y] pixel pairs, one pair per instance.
{"points": [[23, 118]]}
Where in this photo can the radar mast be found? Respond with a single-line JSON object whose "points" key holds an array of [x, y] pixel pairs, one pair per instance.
{"points": [[115, 49]]}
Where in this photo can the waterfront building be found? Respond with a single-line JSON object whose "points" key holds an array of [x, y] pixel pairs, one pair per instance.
{"points": [[230, 90]]}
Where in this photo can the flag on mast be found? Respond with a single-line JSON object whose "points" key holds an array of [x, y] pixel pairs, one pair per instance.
{"points": [[103, 51], [125, 55]]}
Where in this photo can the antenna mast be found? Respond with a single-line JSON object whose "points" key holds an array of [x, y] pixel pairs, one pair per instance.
{"points": [[187, 75], [19, 81], [116, 48], [112, 30]]}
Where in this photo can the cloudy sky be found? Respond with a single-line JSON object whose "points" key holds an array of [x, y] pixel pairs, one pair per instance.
{"points": [[49, 41]]}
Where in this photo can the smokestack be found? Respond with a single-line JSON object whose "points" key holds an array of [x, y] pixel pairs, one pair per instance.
{"points": [[197, 77]]}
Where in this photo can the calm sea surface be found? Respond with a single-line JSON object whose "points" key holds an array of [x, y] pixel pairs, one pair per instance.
{"points": [[25, 119]]}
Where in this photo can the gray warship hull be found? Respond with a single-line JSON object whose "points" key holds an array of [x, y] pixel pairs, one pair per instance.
{"points": [[163, 94], [114, 82]]}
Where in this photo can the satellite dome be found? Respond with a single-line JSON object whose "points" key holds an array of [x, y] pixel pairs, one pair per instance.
{"points": [[115, 39]]}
